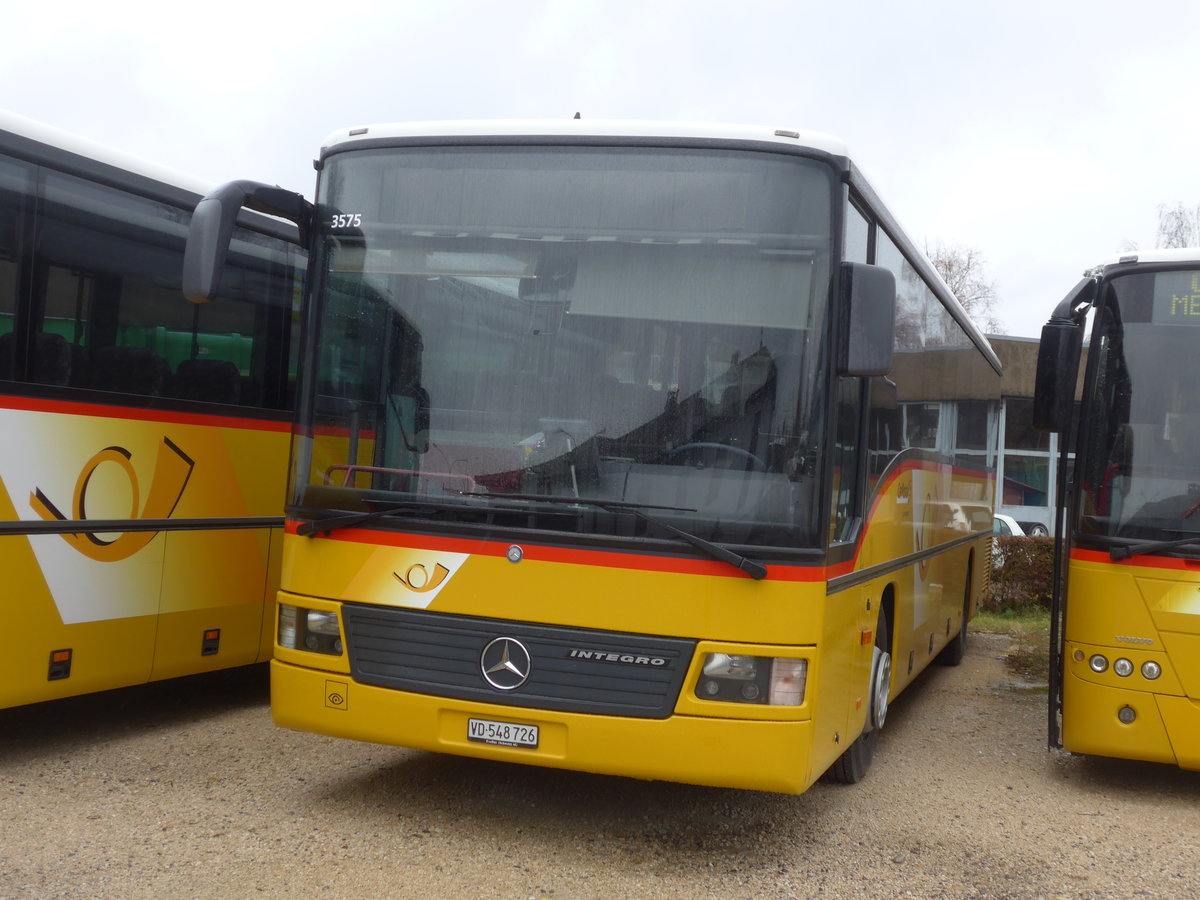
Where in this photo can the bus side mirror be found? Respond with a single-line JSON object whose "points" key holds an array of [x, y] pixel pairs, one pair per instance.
{"points": [[1057, 368], [212, 226], [1058, 359], [868, 309], [207, 246]]}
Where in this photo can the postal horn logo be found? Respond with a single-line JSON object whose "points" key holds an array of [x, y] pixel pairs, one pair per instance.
{"points": [[418, 579], [172, 470], [421, 576]]}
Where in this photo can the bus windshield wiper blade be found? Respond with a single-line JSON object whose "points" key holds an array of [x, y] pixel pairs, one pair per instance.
{"points": [[350, 520], [1127, 550], [753, 568]]}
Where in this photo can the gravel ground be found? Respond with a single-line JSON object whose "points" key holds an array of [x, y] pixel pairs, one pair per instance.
{"points": [[187, 789]]}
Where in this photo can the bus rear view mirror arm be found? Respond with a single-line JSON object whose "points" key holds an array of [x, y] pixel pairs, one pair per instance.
{"points": [[213, 223]]}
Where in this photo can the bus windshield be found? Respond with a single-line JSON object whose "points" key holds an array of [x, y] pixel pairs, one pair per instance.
{"points": [[638, 325], [1141, 433]]}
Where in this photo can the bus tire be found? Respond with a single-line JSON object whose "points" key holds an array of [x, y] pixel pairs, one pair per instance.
{"points": [[852, 766], [952, 654]]}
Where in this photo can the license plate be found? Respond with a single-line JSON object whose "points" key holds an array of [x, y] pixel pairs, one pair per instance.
{"points": [[505, 734]]}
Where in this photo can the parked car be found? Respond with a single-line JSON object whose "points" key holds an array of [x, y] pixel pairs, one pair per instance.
{"points": [[1004, 526], [1007, 526]]}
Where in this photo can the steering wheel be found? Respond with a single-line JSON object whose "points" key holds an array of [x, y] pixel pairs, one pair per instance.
{"points": [[744, 455]]}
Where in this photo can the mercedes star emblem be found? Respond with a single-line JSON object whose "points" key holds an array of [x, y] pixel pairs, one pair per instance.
{"points": [[505, 663]]}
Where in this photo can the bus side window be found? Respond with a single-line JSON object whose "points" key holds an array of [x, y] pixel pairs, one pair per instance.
{"points": [[107, 288], [16, 192]]}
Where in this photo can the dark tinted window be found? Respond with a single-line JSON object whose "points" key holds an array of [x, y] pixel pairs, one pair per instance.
{"points": [[105, 309], [16, 186]]}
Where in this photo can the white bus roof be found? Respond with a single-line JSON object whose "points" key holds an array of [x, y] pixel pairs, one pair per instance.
{"points": [[93, 150], [605, 128], [1175, 255]]}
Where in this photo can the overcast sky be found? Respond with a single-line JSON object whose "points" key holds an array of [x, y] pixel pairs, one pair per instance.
{"points": [[1044, 134]]}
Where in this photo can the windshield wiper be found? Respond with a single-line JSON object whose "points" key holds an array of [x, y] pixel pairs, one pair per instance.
{"points": [[753, 568], [350, 520], [1128, 550]]}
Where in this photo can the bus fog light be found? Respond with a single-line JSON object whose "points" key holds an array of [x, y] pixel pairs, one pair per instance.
{"points": [[1098, 663], [1126, 714], [1123, 667], [1151, 670]]}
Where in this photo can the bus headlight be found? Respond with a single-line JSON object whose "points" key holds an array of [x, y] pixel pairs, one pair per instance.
{"points": [[314, 630], [1151, 670], [1123, 667], [1098, 663], [772, 681], [722, 665]]}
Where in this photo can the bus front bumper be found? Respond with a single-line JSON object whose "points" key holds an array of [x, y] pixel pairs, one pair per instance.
{"points": [[1100, 720], [738, 753]]}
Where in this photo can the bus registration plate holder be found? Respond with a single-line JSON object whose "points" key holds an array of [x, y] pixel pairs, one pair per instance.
{"points": [[504, 734]]}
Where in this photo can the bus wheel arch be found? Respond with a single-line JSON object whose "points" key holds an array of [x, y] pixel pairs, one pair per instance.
{"points": [[880, 685], [952, 654], [852, 766]]}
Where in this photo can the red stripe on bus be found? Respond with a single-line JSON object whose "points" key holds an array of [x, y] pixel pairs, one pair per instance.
{"points": [[106, 411], [614, 559], [1140, 562]]}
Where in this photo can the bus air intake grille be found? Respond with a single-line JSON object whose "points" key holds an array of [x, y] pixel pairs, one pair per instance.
{"points": [[568, 669]]}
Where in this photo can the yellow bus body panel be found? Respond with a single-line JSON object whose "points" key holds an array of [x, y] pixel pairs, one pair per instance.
{"points": [[1181, 717], [1146, 612], [735, 752], [140, 611]]}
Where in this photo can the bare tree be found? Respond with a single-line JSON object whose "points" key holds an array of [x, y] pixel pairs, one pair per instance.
{"points": [[1178, 226], [962, 269]]}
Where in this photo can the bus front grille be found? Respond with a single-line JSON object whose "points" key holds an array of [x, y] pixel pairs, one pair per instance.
{"points": [[533, 666]]}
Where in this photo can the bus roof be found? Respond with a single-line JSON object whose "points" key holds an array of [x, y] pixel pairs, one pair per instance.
{"points": [[64, 151], [600, 128], [57, 139], [1131, 257]]}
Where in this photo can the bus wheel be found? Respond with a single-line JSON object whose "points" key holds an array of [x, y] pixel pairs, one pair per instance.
{"points": [[952, 654], [851, 767]]}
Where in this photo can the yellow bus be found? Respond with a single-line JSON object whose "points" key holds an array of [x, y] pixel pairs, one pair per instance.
{"points": [[1125, 648], [618, 450], [145, 438]]}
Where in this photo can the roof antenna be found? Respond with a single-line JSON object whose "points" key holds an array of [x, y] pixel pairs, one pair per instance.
{"points": [[578, 116]]}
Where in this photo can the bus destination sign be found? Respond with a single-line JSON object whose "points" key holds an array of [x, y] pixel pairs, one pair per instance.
{"points": [[1177, 298]]}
